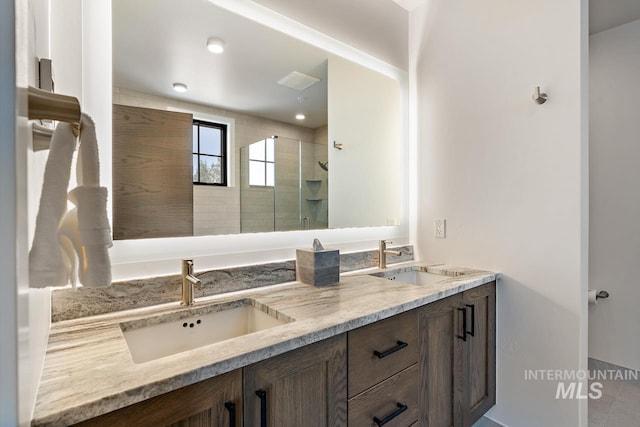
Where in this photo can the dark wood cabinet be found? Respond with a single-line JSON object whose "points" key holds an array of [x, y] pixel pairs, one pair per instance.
{"points": [[479, 365], [433, 366], [384, 372], [457, 358], [440, 356], [304, 387], [216, 402]]}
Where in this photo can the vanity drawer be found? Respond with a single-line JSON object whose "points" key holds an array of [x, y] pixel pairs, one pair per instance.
{"points": [[379, 350], [395, 395]]}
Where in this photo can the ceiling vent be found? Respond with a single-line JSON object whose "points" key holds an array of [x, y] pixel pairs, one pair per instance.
{"points": [[298, 81]]}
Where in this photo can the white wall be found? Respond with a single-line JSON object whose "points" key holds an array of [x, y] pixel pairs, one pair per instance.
{"points": [[42, 30], [23, 312], [33, 304], [614, 61], [368, 123], [508, 175]]}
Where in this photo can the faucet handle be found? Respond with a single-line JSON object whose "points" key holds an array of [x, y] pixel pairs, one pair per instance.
{"points": [[187, 267]]}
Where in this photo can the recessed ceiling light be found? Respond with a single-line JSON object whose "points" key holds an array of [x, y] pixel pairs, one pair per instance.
{"points": [[215, 45], [300, 116], [180, 87]]}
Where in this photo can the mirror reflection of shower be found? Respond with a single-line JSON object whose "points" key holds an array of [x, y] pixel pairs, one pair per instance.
{"points": [[281, 186]]}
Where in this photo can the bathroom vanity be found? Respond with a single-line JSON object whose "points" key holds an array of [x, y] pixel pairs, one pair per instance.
{"points": [[367, 347]]}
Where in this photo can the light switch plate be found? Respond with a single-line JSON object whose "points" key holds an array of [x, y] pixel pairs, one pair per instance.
{"points": [[440, 228]]}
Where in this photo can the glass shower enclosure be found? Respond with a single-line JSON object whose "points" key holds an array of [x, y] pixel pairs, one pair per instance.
{"points": [[283, 185]]}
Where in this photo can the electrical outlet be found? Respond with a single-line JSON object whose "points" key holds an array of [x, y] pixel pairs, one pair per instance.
{"points": [[440, 228]]}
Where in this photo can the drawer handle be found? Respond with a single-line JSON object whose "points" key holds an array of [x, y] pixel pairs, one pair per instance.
{"points": [[231, 407], [381, 422], [463, 337], [263, 407], [473, 319], [389, 352]]}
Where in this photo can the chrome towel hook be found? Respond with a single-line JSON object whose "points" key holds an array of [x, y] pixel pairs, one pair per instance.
{"points": [[337, 146], [539, 97]]}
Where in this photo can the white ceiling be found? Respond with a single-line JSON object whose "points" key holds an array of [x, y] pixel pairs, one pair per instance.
{"points": [[606, 14], [377, 27], [159, 42]]}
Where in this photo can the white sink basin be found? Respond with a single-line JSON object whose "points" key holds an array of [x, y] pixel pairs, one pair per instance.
{"points": [[160, 336], [414, 277]]}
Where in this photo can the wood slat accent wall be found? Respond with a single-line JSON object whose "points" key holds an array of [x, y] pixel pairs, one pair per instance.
{"points": [[152, 173]]}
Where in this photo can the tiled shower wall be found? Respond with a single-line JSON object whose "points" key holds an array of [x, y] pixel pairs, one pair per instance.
{"points": [[285, 207], [315, 182]]}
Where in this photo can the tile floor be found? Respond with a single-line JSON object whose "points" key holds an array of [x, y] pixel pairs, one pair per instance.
{"points": [[619, 405], [486, 422]]}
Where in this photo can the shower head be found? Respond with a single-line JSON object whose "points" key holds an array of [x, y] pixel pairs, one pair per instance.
{"points": [[324, 166]]}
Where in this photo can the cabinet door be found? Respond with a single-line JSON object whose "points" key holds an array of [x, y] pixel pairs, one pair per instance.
{"points": [[480, 361], [441, 357], [204, 404], [305, 387]]}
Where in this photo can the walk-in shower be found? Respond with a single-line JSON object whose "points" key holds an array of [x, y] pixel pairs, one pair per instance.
{"points": [[283, 185]]}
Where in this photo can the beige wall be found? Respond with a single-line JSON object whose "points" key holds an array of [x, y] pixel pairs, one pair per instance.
{"points": [[222, 204]]}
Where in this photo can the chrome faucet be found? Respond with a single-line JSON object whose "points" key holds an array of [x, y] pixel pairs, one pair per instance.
{"points": [[383, 251], [188, 282]]}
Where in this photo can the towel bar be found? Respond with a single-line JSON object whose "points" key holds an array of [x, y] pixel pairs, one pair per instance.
{"points": [[52, 106], [45, 105]]}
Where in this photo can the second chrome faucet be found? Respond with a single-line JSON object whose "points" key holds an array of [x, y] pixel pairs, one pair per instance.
{"points": [[189, 281]]}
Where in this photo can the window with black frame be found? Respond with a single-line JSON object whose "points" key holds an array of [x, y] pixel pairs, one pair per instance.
{"points": [[209, 153]]}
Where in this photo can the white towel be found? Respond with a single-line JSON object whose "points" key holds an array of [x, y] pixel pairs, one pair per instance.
{"points": [[50, 262], [85, 229], [93, 237]]}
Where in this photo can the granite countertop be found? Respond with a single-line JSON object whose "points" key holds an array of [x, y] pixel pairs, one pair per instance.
{"points": [[88, 370]]}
